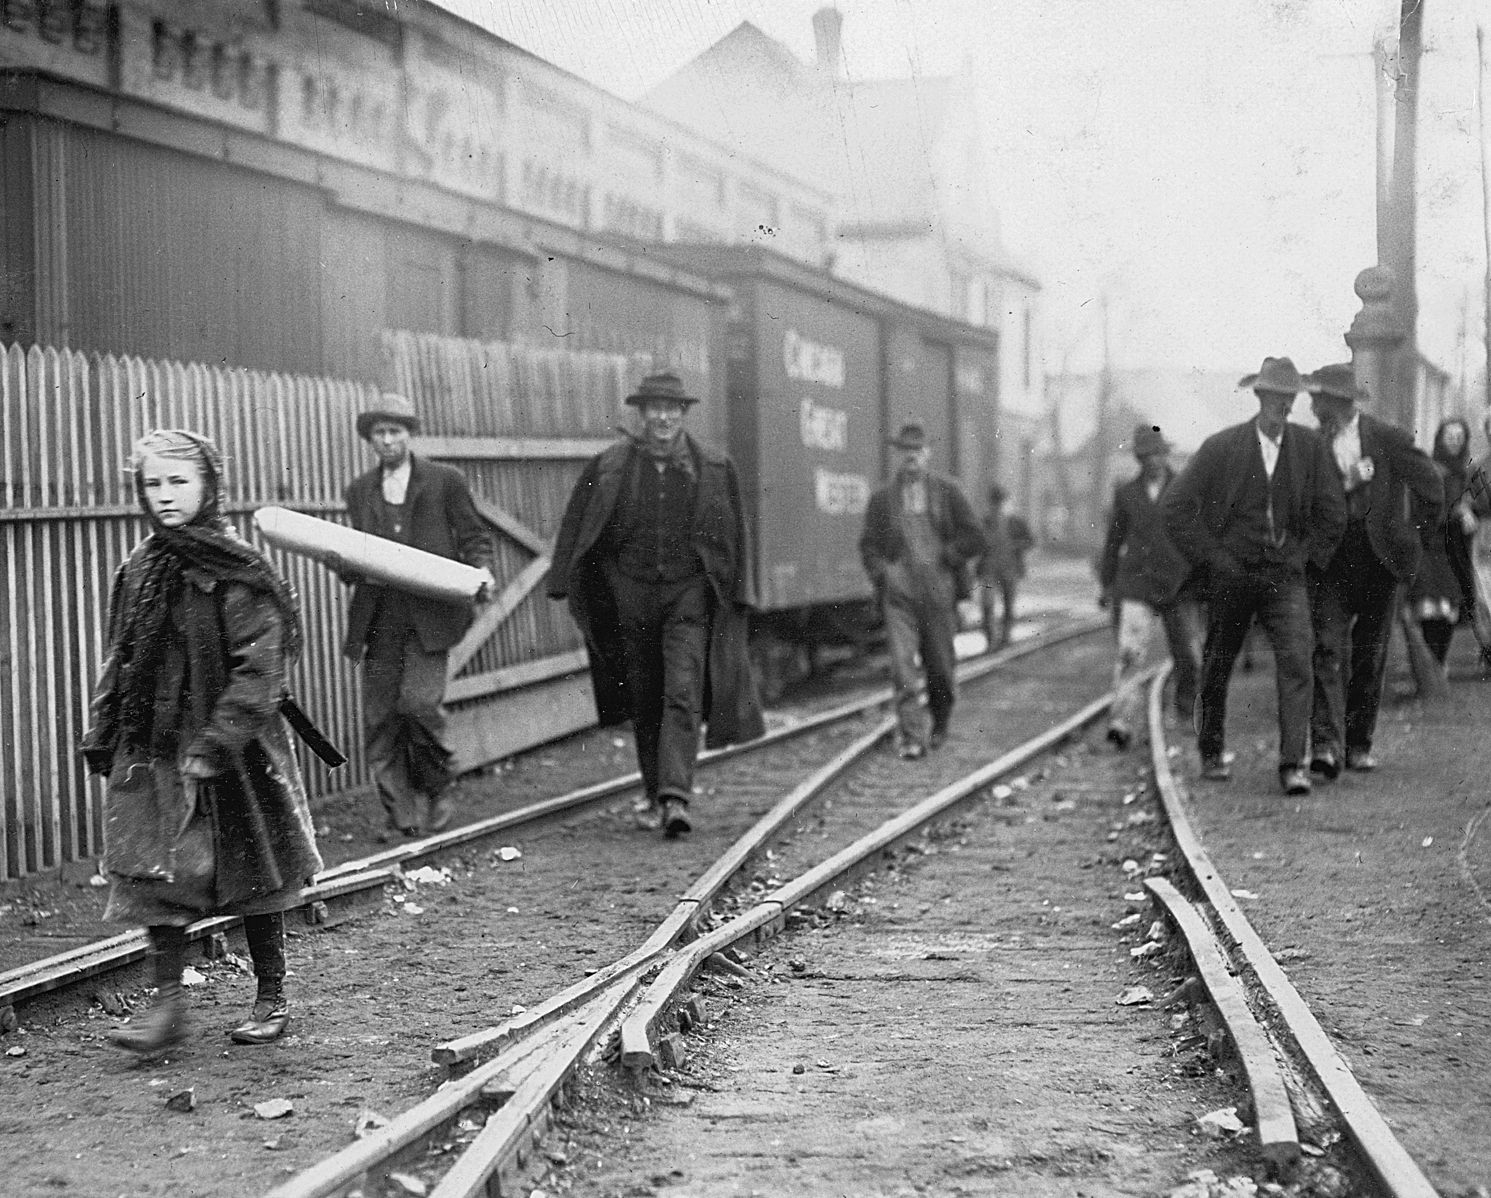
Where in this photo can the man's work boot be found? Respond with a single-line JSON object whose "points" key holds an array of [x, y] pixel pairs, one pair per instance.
{"points": [[675, 817]]}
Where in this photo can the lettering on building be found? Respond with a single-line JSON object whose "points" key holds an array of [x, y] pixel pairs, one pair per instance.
{"points": [[823, 427], [84, 27], [808, 362], [229, 72]]}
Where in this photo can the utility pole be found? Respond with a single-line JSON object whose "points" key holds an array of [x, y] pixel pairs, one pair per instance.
{"points": [[1397, 203], [1100, 438], [1480, 87]]}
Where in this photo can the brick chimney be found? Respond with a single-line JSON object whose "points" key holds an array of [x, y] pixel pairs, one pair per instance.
{"points": [[828, 24]]}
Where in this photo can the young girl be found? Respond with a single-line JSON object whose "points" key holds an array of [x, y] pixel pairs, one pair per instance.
{"points": [[206, 813]]}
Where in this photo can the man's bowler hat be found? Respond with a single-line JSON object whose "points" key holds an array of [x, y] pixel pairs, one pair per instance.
{"points": [[664, 385], [1148, 439], [389, 406], [1277, 375], [911, 436], [1336, 381]]}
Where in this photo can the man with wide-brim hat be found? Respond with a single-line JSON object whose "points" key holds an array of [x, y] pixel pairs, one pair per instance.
{"points": [[389, 407], [1393, 493], [919, 535], [1257, 505], [656, 563], [404, 641], [1144, 576]]}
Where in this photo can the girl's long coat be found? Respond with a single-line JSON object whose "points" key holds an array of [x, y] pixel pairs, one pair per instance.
{"points": [[732, 710], [262, 835]]}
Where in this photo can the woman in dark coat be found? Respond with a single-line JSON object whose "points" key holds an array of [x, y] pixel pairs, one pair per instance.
{"points": [[206, 813], [1444, 591]]}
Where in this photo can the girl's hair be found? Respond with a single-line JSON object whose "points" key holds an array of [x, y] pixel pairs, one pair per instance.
{"points": [[181, 445]]}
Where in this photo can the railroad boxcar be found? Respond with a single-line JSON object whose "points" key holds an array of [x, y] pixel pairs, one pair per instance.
{"points": [[819, 373]]}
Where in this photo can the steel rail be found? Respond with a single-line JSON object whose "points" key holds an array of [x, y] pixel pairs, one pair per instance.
{"points": [[352, 1164], [1273, 1117], [334, 885], [538, 1051], [1364, 1125], [487, 1156], [639, 1031], [577, 800], [318, 903], [681, 922]]}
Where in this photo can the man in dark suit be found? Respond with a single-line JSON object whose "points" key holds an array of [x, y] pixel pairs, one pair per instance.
{"points": [[1392, 489], [919, 534], [655, 560], [1145, 575], [1007, 539], [403, 641], [1258, 503]]}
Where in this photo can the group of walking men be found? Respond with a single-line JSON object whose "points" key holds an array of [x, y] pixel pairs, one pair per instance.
{"points": [[1309, 535], [653, 559], [655, 563]]}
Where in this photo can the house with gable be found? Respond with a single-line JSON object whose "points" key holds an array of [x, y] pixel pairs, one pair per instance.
{"points": [[914, 200]]}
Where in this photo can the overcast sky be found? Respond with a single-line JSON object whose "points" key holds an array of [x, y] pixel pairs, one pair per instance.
{"points": [[1208, 167]]}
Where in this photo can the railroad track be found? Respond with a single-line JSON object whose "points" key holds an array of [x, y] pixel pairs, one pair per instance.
{"points": [[507, 1078], [1289, 1061], [352, 888], [478, 1132]]}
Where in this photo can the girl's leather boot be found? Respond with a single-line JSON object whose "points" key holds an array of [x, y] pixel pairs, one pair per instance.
{"points": [[269, 1018], [162, 1027]]}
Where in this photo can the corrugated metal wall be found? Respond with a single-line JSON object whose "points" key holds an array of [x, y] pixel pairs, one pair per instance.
{"points": [[159, 253]]}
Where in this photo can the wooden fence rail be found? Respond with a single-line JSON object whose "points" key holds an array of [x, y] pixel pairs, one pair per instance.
{"points": [[519, 420]]}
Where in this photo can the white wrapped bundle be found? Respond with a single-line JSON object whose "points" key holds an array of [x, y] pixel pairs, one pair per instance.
{"points": [[375, 558]]}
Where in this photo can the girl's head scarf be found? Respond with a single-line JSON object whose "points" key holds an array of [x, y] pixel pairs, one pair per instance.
{"points": [[209, 548]]}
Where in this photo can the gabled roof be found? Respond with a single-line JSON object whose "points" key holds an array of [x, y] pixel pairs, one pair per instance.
{"points": [[866, 140]]}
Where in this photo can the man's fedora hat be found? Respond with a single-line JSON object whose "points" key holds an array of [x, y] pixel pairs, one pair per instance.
{"points": [[389, 406], [663, 385], [1277, 375], [1336, 381], [911, 436], [1148, 439]]}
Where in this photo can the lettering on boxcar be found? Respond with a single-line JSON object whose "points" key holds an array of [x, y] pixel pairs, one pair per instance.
{"points": [[808, 362], [823, 428], [840, 494]]}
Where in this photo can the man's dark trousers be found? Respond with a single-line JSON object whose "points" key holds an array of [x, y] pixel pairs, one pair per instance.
{"points": [[665, 633], [1277, 598], [920, 614], [1352, 604], [403, 685]]}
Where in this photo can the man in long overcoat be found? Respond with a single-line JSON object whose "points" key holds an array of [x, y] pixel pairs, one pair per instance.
{"points": [[655, 560], [1393, 491], [919, 535], [1258, 503], [1144, 575], [404, 641]]}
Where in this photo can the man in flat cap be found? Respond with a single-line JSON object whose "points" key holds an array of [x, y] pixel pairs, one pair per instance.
{"points": [[1144, 575], [919, 534], [403, 641], [1393, 492], [1258, 503], [655, 560]]}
